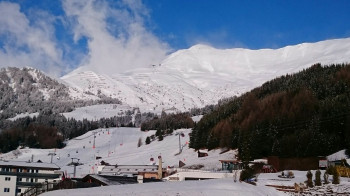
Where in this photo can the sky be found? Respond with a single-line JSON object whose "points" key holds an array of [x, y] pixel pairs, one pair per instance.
{"points": [[58, 36]]}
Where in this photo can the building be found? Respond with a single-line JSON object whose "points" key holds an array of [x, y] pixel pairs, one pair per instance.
{"points": [[202, 153], [147, 171], [107, 180], [17, 176], [229, 165]]}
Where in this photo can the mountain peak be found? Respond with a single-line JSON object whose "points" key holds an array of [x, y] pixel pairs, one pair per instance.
{"points": [[200, 47]]}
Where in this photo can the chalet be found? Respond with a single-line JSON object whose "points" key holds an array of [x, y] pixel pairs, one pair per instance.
{"points": [[17, 176], [147, 171]]}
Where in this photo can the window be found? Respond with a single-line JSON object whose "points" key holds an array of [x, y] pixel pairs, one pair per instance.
{"points": [[19, 170], [37, 171], [36, 179], [6, 169], [6, 190], [18, 190], [7, 178], [27, 180], [19, 179]]}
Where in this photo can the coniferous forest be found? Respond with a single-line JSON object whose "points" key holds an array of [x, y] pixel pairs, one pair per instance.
{"points": [[299, 115]]}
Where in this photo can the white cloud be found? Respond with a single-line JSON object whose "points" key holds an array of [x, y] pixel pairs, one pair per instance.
{"points": [[117, 37], [28, 42]]}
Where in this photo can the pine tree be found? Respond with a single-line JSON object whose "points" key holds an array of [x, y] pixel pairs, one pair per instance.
{"points": [[160, 137], [325, 177], [318, 178], [148, 140], [336, 179], [309, 182]]}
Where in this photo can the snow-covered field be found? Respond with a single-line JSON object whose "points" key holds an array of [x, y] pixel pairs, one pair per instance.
{"points": [[119, 146], [219, 187], [96, 112]]}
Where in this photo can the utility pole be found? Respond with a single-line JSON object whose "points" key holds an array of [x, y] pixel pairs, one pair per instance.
{"points": [[182, 135], [93, 145], [160, 168], [51, 154]]}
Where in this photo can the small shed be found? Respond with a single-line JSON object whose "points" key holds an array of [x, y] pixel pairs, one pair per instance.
{"points": [[202, 153]]}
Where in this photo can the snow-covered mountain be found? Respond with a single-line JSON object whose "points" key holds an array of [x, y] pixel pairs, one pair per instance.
{"points": [[203, 75], [27, 90]]}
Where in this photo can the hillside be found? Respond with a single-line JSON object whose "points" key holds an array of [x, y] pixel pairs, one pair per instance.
{"points": [[119, 146], [202, 75], [304, 114], [28, 90]]}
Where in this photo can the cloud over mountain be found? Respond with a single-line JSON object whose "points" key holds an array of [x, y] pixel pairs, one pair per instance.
{"points": [[102, 36]]}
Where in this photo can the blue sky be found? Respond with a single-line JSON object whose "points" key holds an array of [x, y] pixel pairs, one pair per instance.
{"points": [[59, 36], [251, 24]]}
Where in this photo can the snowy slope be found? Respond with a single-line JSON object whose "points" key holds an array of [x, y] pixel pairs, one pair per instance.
{"points": [[202, 75], [120, 147], [222, 187]]}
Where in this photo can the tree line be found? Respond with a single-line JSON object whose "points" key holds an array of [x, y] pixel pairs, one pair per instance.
{"points": [[168, 122], [50, 130], [299, 115]]}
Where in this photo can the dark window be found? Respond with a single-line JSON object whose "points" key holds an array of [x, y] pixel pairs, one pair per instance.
{"points": [[6, 190], [7, 178], [19, 179], [18, 190]]}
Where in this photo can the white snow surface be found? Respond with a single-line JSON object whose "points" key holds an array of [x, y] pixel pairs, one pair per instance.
{"points": [[218, 187], [22, 115], [96, 112], [202, 75], [120, 147]]}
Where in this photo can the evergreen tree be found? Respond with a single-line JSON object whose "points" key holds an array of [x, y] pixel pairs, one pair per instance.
{"points": [[309, 182], [318, 178], [336, 178], [148, 140], [325, 177]]}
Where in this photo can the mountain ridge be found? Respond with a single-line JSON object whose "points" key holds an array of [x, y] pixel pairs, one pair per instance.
{"points": [[202, 75]]}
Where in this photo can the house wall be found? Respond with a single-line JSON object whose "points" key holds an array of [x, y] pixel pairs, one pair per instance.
{"points": [[150, 175], [17, 176], [11, 184]]}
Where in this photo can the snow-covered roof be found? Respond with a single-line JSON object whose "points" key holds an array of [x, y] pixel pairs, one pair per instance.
{"points": [[29, 164], [122, 169]]}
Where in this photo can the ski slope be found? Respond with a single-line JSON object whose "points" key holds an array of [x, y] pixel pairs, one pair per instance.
{"points": [[96, 112], [120, 147]]}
